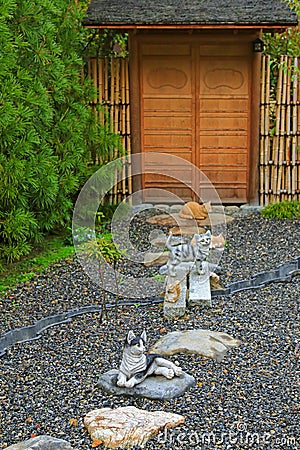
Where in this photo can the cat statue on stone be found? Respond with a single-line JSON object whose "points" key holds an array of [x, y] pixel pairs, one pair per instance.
{"points": [[194, 210], [136, 365], [188, 252]]}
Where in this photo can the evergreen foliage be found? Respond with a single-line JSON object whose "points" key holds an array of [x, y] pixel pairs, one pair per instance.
{"points": [[286, 42], [47, 126], [282, 210]]}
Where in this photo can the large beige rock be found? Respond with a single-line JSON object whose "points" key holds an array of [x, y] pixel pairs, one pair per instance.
{"points": [[127, 426], [212, 344]]}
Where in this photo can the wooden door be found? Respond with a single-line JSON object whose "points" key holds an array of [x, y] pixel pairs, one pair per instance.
{"points": [[223, 103], [167, 115], [194, 104]]}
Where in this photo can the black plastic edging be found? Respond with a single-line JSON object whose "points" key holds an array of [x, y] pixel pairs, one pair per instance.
{"points": [[284, 272]]}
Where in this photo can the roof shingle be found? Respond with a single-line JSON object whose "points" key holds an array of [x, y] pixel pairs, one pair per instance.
{"points": [[189, 12]]}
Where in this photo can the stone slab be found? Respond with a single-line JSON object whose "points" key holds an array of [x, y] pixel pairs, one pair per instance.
{"points": [[161, 241], [212, 344], [187, 230], [42, 442], [127, 426], [199, 288], [154, 387]]}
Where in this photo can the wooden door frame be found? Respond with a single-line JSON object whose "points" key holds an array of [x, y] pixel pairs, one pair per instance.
{"points": [[254, 98]]}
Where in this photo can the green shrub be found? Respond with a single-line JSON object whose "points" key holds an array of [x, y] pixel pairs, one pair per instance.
{"points": [[47, 125], [282, 210]]}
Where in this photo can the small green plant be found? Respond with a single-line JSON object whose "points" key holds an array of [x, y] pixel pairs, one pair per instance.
{"points": [[103, 249], [282, 210], [158, 277]]}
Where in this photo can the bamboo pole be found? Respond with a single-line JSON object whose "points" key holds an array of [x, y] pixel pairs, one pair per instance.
{"points": [[94, 77], [288, 136], [262, 186], [122, 126], [282, 128], [262, 111], [112, 120], [277, 134], [262, 132], [117, 95], [123, 95], [267, 143], [267, 112], [294, 127], [288, 113], [101, 87], [128, 128]]}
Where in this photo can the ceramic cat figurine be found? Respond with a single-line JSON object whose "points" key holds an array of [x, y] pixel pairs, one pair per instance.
{"points": [[188, 252], [217, 241], [136, 365], [173, 292], [194, 210]]}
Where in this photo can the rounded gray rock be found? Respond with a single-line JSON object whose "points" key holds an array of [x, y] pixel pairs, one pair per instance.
{"points": [[153, 387], [43, 442]]}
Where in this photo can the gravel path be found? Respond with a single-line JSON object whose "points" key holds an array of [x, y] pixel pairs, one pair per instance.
{"points": [[249, 400]]}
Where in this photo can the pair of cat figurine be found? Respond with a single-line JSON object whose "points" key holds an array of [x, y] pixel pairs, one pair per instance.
{"points": [[136, 366], [197, 251]]}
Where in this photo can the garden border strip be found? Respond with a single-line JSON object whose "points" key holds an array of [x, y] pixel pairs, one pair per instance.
{"points": [[284, 272]]}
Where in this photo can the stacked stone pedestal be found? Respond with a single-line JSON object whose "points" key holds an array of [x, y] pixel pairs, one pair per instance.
{"points": [[187, 287], [176, 293]]}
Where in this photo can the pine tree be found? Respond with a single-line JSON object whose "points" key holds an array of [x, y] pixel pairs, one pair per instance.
{"points": [[45, 119]]}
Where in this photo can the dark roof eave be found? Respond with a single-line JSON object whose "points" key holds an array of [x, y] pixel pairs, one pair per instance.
{"points": [[220, 25]]}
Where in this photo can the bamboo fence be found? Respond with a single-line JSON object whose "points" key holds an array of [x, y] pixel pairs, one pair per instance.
{"points": [[279, 162], [279, 133], [111, 78]]}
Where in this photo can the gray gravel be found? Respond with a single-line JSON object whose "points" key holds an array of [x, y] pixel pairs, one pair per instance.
{"points": [[249, 400]]}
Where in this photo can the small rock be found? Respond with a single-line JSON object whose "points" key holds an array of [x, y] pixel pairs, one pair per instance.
{"points": [[231, 209], [154, 259], [154, 387], [250, 209], [212, 344], [42, 442], [176, 208], [162, 207], [141, 207], [127, 426]]}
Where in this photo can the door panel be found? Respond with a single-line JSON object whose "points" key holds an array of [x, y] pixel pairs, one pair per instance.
{"points": [[168, 115], [195, 105], [223, 137]]}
